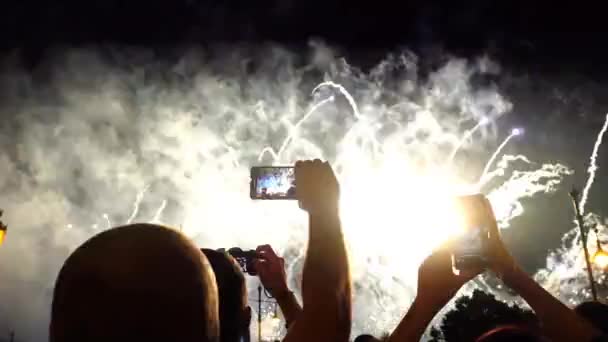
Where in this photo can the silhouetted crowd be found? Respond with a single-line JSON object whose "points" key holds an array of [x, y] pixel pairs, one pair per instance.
{"points": [[144, 282]]}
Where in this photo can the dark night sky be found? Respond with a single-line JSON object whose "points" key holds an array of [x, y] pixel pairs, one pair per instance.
{"points": [[526, 33]]}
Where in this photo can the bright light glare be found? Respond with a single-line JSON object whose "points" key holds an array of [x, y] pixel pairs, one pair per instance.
{"points": [[517, 131], [393, 199], [600, 258]]}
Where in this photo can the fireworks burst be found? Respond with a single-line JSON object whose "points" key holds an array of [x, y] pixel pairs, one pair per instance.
{"points": [[565, 274], [188, 143]]}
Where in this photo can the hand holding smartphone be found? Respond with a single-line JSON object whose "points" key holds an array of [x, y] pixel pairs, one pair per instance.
{"points": [[470, 249]]}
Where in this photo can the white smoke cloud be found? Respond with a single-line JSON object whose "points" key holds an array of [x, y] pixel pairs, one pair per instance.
{"points": [[93, 129]]}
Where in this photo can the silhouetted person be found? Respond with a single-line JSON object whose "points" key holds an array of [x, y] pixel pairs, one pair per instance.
{"points": [[366, 338], [437, 284], [235, 314], [596, 313], [511, 333], [271, 270], [139, 282], [326, 288]]}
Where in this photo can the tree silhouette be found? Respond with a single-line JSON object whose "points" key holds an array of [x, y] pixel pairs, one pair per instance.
{"points": [[472, 316]]}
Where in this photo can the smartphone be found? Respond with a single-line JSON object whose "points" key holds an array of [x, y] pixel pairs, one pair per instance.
{"points": [[471, 246], [273, 183], [246, 259]]}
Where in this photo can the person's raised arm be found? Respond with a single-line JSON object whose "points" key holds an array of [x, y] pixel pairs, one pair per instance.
{"points": [[437, 284], [326, 288], [558, 321], [271, 270]]}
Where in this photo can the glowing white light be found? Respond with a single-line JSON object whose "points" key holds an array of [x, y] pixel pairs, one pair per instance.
{"points": [[517, 131], [138, 199], [593, 165], [496, 153], [159, 212], [107, 218], [601, 259], [484, 120]]}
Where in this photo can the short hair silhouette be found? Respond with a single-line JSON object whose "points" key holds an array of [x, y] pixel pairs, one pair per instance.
{"points": [[510, 333], [139, 282], [596, 313], [234, 313], [366, 338]]}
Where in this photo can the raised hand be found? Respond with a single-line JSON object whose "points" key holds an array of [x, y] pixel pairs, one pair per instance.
{"points": [[437, 284], [271, 270], [317, 188], [501, 261], [437, 281]]}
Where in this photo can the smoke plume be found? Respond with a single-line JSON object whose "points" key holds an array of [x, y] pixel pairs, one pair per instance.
{"points": [[99, 137]]}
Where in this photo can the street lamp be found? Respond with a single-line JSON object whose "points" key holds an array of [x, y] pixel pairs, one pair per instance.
{"points": [[3, 229], [600, 258], [579, 221]]}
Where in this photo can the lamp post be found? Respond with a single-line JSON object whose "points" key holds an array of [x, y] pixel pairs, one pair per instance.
{"points": [[579, 221]]}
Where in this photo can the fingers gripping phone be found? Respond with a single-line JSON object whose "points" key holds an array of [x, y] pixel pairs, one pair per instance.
{"points": [[273, 183], [471, 246]]}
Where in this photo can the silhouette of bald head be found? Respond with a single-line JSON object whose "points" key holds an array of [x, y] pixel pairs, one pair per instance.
{"points": [[139, 282]]}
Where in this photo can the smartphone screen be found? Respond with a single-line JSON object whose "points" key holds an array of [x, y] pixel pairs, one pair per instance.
{"points": [[471, 244], [273, 183]]}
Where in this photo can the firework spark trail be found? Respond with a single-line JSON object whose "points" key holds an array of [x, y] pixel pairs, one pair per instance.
{"points": [[344, 92], [564, 273], [294, 128], [107, 218], [593, 165], [233, 155], [486, 168], [156, 218], [270, 150], [138, 199], [292, 131], [355, 109], [465, 137]]}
